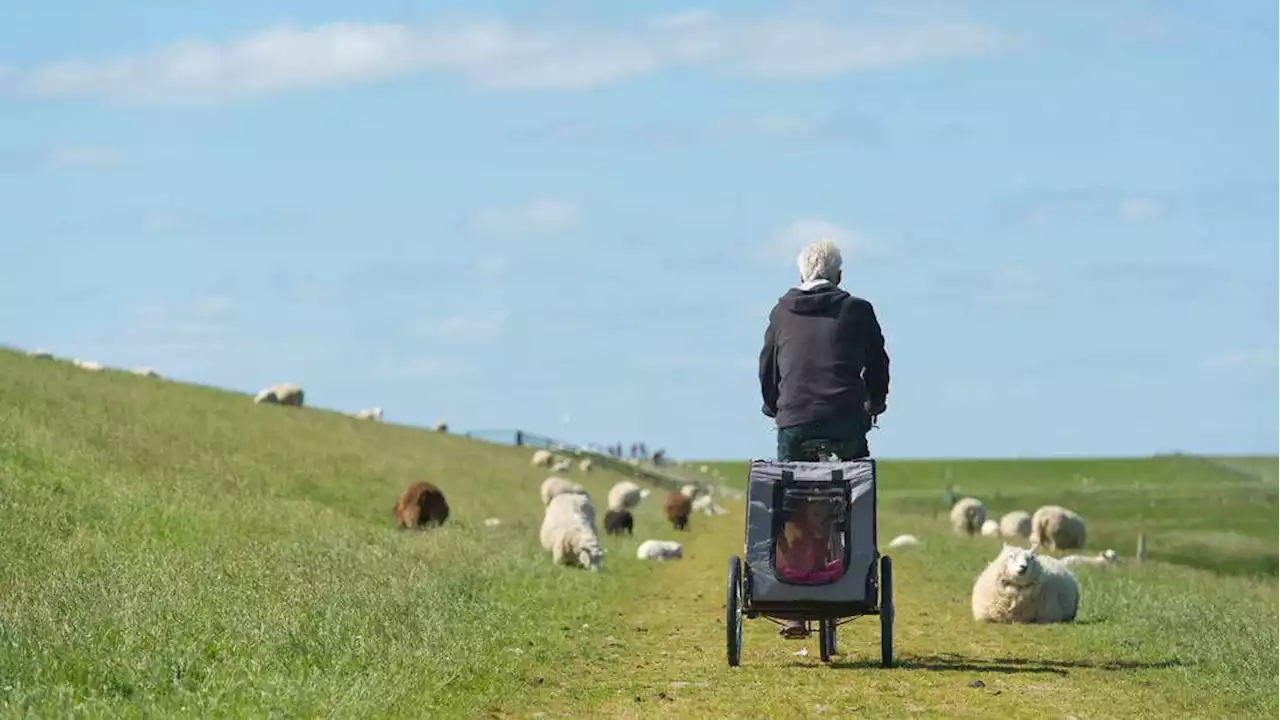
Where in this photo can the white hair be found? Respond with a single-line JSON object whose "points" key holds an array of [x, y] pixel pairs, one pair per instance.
{"points": [[819, 260]]}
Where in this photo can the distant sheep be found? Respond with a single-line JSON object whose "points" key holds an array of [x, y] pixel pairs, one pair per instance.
{"points": [[492, 522], [616, 521], [40, 354], [691, 491], [421, 504], [1103, 559], [706, 505], [561, 465], [1056, 528], [556, 485], [967, 516], [676, 508], [1016, 524], [145, 372], [89, 365], [659, 550], [1021, 586], [569, 532], [541, 458], [280, 394], [369, 414], [903, 541], [990, 528], [624, 495], [585, 465], [442, 427]]}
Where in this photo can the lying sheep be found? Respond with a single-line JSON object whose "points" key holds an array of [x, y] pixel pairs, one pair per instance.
{"points": [[368, 414], [145, 372], [1016, 524], [1021, 586], [706, 505], [1057, 528], [659, 550], [492, 522], [676, 508], [40, 354], [625, 495], [89, 365], [990, 528], [585, 465], [280, 394], [561, 465], [420, 504], [904, 541], [569, 532], [967, 516], [541, 458], [1102, 559], [556, 485], [616, 521]]}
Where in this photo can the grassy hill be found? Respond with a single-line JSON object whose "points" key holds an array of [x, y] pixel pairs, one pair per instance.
{"points": [[178, 551]]}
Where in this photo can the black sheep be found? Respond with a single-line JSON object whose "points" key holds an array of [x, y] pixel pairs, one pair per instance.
{"points": [[615, 521]]}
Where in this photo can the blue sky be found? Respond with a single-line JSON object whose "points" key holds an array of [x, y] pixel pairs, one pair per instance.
{"points": [[573, 217]]}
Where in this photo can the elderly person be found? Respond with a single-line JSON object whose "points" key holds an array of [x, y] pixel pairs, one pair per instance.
{"points": [[824, 372]]}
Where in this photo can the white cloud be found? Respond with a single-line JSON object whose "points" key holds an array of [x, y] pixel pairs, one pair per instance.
{"points": [[84, 156], [463, 328], [785, 244], [546, 215], [497, 53]]}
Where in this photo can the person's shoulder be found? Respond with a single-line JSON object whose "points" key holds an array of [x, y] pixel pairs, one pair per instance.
{"points": [[855, 302]]}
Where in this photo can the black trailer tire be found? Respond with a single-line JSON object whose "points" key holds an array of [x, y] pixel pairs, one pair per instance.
{"points": [[886, 612], [733, 612]]}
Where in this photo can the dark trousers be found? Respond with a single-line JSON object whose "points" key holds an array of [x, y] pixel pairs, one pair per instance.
{"points": [[849, 435]]}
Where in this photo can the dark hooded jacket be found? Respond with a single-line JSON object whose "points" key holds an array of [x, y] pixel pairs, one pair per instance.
{"points": [[823, 357]]}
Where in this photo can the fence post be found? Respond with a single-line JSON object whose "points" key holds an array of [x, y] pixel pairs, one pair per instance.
{"points": [[519, 438]]}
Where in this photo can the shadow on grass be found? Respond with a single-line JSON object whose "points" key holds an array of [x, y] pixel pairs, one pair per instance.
{"points": [[959, 663]]}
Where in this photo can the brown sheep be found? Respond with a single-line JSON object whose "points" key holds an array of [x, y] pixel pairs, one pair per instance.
{"points": [[421, 504], [676, 508]]}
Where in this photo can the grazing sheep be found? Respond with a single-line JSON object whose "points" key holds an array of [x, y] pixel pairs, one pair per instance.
{"points": [[556, 485], [904, 541], [369, 414], [442, 427], [1102, 559], [990, 528], [585, 465], [1016, 524], [421, 504], [967, 516], [624, 495], [541, 458], [615, 521], [1057, 528], [145, 372], [561, 465], [40, 354], [1021, 586], [676, 508], [569, 532], [89, 365], [659, 550], [281, 394]]}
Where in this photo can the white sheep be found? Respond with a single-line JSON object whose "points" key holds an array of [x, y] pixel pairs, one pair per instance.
{"points": [[624, 495], [280, 394], [556, 485], [585, 465], [145, 372], [706, 505], [569, 532], [40, 354], [1021, 586], [492, 522], [660, 550], [990, 528], [967, 516], [691, 491], [541, 458], [1016, 524], [374, 413], [1102, 559], [561, 465], [904, 541], [89, 365], [1057, 528]]}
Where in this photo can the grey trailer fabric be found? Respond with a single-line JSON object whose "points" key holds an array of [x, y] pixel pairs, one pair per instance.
{"points": [[768, 483]]}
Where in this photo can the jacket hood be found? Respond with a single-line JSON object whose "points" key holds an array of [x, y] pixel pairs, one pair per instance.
{"points": [[815, 301]]}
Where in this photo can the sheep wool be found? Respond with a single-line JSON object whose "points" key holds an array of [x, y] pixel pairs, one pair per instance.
{"points": [[1056, 528], [624, 495], [1022, 586], [1016, 524], [541, 458], [556, 485], [967, 516], [676, 508], [569, 532], [420, 504], [659, 550], [990, 528]]}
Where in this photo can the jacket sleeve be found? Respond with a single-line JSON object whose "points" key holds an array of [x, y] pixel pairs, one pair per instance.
{"points": [[769, 371], [876, 372]]}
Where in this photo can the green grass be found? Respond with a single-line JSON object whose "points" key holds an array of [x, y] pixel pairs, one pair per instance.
{"points": [[177, 551]]}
